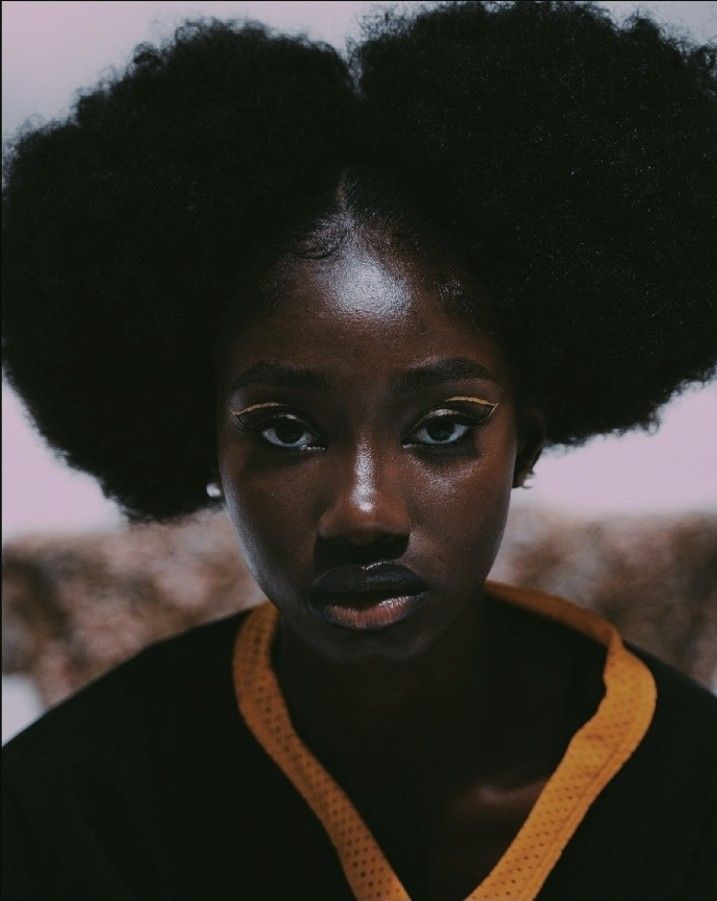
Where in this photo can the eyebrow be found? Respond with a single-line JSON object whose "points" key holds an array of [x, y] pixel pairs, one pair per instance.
{"points": [[429, 375], [449, 369], [284, 375]]}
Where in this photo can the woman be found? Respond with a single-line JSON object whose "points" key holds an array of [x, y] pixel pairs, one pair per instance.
{"points": [[352, 300]]}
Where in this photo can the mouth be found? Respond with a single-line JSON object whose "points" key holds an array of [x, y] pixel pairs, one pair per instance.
{"points": [[368, 598]]}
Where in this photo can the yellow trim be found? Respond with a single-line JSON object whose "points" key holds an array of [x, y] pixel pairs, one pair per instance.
{"points": [[595, 754]]}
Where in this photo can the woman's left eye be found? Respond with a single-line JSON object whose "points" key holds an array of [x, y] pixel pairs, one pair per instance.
{"points": [[444, 430]]}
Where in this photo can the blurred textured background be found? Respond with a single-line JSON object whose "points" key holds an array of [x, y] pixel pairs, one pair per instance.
{"points": [[627, 526], [76, 605]]}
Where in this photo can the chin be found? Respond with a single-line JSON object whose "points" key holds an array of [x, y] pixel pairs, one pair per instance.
{"points": [[388, 633]]}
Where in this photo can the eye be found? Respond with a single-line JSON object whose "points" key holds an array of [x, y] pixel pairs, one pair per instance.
{"points": [[446, 428], [284, 431], [442, 430]]}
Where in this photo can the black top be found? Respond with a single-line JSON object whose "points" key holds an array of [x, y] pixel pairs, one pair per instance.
{"points": [[147, 784]]}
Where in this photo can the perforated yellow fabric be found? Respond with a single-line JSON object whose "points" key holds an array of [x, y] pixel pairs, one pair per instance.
{"points": [[595, 754]]}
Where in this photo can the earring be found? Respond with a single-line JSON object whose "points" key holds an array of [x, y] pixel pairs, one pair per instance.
{"points": [[213, 489], [527, 480]]}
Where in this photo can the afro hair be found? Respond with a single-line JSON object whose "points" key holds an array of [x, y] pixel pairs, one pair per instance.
{"points": [[571, 160]]}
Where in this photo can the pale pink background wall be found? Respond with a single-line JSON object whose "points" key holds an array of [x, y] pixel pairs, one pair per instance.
{"points": [[52, 48]]}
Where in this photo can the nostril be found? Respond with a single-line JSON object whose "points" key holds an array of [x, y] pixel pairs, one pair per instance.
{"points": [[356, 550], [365, 540]]}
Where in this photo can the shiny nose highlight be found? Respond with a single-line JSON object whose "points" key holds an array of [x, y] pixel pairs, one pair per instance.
{"points": [[365, 505]]}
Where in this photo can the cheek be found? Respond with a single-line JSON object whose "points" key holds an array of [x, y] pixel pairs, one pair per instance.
{"points": [[270, 518], [464, 509]]}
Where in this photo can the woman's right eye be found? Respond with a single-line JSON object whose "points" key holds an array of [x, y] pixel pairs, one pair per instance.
{"points": [[289, 433], [284, 432]]}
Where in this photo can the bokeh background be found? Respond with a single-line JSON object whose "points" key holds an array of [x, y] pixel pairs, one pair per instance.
{"points": [[625, 525]]}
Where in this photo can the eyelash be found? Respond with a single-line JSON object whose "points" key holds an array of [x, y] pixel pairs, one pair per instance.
{"points": [[255, 422]]}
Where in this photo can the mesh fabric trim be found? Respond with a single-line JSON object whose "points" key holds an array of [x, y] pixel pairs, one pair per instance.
{"points": [[595, 754]]}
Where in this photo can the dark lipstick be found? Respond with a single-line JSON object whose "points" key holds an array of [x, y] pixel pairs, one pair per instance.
{"points": [[367, 597]]}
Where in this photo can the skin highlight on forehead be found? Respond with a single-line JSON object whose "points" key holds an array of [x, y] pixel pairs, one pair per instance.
{"points": [[366, 289], [370, 292], [373, 267]]}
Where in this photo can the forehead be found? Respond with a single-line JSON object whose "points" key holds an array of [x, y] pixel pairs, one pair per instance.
{"points": [[367, 309]]}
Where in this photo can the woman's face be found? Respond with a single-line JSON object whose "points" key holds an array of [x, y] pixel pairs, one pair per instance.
{"points": [[359, 423]]}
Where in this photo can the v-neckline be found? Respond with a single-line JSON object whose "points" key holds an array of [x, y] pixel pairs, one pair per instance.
{"points": [[596, 752]]}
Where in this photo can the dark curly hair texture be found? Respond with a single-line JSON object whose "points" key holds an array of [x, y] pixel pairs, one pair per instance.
{"points": [[570, 161]]}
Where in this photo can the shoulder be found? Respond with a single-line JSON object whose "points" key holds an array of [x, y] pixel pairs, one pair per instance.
{"points": [[123, 707], [558, 622], [685, 721], [655, 822], [90, 789]]}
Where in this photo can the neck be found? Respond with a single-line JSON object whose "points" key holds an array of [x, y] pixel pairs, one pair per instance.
{"points": [[385, 710]]}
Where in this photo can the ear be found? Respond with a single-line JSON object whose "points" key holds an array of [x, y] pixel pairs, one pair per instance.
{"points": [[531, 434]]}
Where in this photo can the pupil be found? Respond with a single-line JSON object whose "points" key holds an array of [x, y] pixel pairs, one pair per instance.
{"points": [[288, 432], [441, 428]]}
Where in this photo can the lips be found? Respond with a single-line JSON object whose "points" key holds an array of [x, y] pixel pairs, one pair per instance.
{"points": [[367, 597], [387, 579]]}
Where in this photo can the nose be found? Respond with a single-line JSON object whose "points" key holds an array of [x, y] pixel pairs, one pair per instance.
{"points": [[365, 504]]}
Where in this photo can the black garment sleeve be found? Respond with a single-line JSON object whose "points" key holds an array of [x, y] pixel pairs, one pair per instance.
{"points": [[18, 863], [701, 883]]}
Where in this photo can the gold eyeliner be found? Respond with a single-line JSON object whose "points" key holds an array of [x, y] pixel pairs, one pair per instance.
{"points": [[478, 400], [463, 398], [473, 400], [271, 403]]}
